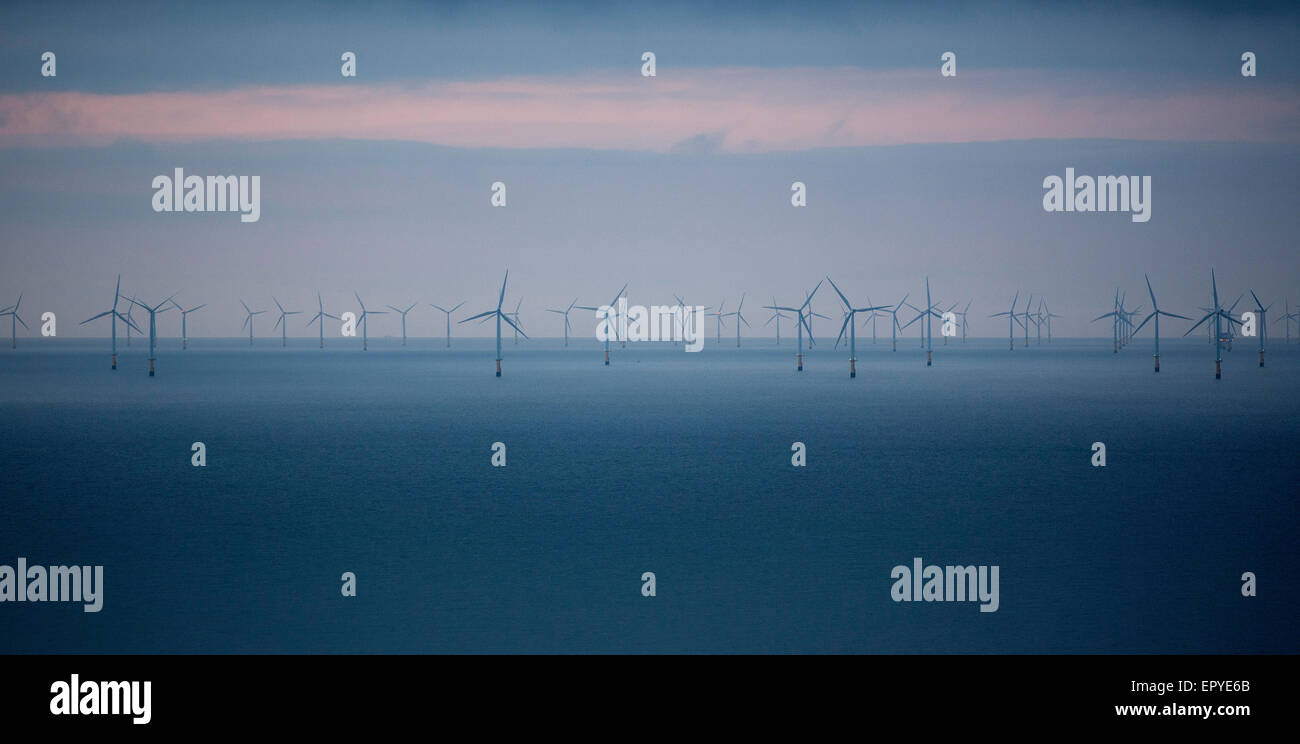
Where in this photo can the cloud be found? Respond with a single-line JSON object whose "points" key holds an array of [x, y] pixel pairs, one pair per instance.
{"points": [[741, 109], [705, 143]]}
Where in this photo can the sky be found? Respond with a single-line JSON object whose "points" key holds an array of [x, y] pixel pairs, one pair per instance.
{"points": [[677, 183]]}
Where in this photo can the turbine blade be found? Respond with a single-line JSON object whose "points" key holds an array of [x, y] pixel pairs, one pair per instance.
{"points": [[620, 294], [847, 318], [512, 325], [838, 292], [1199, 322], [480, 315]]}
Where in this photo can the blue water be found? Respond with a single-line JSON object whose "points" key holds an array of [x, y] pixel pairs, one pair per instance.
{"points": [[321, 462]]}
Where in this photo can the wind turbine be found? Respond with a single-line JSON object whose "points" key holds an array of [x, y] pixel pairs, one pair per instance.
{"points": [[927, 331], [951, 309], [801, 313], [185, 316], [129, 307], [872, 317], [611, 319], [850, 313], [1012, 319], [1156, 312], [282, 323], [1038, 322], [448, 314], [365, 315], [153, 326], [1049, 317], [1287, 318], [14, 320], [1228, 329], [894, 325], [565, 313], [720, 315], [113, 317], [1025, 314], [809, 316], [739, 319], [963, 324], [1262, 326], [320, 317], [515, 315], [688, 316], [403, 313], [500, 316], [1116, 316], [1218, 314], [777, 315], [248, 321]]}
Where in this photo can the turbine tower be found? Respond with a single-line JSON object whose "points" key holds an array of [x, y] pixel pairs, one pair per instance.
{"points": [[1261, 328], [500, 316], [185, 316], [248, 321], [1156, 312], [777, 315], [320, 317], [611, 319], [282, 323], [1038, 322], [403, 314], [1028, 303], [801, 313], [448, 314], [365, 326], [739, 319], [515, 315], [927, 331], [894, 325], [129, 307], [688, 317], [113, 317], [1012, 319], [1048, 316], [153, 326], [720, 316], [850, 313], [1115, 315], [963, 324], [1286, 319]]}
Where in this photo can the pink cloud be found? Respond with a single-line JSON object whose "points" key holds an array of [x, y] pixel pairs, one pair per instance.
{"points": [[740, 109]]}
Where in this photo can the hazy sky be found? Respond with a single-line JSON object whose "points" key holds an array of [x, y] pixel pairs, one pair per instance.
{"points": [[380, 184]]}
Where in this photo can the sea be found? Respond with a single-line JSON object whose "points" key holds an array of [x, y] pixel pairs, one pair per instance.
{"points": [[379, 463]]}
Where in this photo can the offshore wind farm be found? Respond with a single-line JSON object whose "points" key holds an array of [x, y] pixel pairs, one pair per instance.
{"points": [[371, 484]]}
